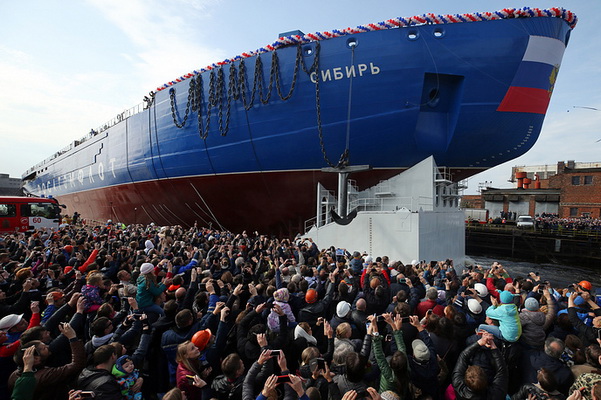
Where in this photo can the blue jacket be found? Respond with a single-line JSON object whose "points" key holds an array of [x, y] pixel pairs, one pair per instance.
{"points": [[509, 320]]}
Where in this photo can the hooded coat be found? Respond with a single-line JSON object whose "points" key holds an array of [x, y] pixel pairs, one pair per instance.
{"points": [[534, 325]]}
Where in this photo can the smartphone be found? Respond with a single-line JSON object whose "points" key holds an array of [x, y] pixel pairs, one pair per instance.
{"points": [[275, 353], [202, 287], [321, 364], [367, 325], [283, 379], [429, 312], [405, 319], [86, 394], [190, 379], [380, 318]]}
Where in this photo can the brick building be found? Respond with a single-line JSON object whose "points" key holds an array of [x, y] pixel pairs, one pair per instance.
{"points": [[568, 189], [580, 189]]}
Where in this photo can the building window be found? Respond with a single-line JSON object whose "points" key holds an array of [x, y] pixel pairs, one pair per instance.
{"points": [[586, 214], [575, 180], [588, 180], [573, 211]]}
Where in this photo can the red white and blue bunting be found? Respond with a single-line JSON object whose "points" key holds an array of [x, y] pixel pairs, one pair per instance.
{"points": [[400, 22]]}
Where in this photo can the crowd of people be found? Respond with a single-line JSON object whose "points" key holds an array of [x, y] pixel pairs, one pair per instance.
{"points": [[552, 221], [145, 312]]}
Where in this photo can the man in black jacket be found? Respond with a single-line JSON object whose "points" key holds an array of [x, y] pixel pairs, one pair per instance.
{"points": [[470, 382], [98, 378], [229, 385]]}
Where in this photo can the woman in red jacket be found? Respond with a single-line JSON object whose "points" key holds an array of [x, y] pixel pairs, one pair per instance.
{"points": [[189, 371]]}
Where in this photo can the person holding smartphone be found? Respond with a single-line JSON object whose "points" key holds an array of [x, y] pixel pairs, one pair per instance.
{"points": [[394, 374], [52, 382]]}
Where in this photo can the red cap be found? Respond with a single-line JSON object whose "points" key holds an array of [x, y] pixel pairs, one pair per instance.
{"points": [[68, 269], [311, 296], [201, 338], [68, 248], [585, 285]]}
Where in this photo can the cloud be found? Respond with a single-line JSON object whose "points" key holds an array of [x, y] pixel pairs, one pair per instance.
{"points": [[167, 36]]}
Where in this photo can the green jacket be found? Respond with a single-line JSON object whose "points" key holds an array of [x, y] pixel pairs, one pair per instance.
{"points": [[145, 296], [24, 387], [388, 379]]}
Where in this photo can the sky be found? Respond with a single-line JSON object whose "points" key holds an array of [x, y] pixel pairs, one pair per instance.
{"points": [[69, 66]]}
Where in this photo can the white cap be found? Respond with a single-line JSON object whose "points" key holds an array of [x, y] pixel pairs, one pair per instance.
{"points": [[146, 268], [414, 262], [474, 306], [481, 289], [9, 321], [342, 309]]}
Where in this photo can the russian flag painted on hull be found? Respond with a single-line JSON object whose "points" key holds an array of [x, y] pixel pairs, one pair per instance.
{"points": [[532, 86]]}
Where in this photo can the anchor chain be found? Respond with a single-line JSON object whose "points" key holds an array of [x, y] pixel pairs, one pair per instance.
{"points": [[237, 89]]}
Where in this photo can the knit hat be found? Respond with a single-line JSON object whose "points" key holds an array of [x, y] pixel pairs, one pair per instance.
{"points": [[474, 306], [342, 309], [506, 297], [68, 248], [9, 321], [281, 295], [201, 338], [356, 254], [481, 289], [120, 361], [311, 296], [146, 268], [420, 350], [531, 304], [369, 259]]}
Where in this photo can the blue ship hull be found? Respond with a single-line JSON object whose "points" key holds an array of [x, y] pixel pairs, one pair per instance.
{"points": [[386, 98]]}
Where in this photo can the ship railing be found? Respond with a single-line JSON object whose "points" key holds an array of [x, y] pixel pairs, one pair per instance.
{"points": [[384, 204], [310, 223], [122, 116]]}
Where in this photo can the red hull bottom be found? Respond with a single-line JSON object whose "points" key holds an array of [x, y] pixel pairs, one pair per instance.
{"points": [[276, 202]]}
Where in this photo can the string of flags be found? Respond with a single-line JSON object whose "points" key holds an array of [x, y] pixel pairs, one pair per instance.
{"points": [[399, 22]]}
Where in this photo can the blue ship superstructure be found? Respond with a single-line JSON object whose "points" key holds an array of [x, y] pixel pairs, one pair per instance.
{"points": [[242, 142]]}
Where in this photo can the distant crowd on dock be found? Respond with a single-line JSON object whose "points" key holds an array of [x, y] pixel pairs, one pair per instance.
{"points": [[146, 312], [552, 221]]}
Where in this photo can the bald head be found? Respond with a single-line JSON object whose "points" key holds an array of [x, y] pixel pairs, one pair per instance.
{"points": [[361, 304], [180, 293]]}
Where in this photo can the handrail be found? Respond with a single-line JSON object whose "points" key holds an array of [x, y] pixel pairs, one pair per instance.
{"points": [[122, 116]]}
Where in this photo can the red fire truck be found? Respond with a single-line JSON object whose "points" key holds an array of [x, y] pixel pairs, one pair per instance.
{"points": [[21, 214]]}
